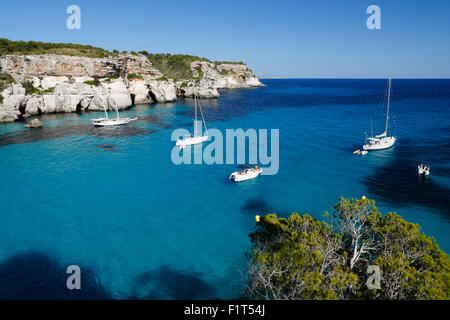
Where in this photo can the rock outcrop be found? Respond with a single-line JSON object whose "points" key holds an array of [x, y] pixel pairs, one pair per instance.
{"points": [[35, 123], [74, 84]]}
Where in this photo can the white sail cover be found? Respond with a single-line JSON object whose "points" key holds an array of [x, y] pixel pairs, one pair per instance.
{"points": [[384, 134]]}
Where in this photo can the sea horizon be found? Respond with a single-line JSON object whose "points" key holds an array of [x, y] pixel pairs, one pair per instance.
{"points": [[350, 78]]}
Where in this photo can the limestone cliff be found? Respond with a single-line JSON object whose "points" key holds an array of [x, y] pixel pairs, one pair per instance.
{"points": [[60, 83]]}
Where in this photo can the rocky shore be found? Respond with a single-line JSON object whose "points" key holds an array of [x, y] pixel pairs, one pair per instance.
{"points": [[60, 83]]}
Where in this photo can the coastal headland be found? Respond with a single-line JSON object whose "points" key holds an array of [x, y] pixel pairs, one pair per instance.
{"points": [[38, 78]]}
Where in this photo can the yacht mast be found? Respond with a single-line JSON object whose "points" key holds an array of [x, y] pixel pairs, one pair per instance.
{"points": [[371, 127], [389, 100], [106, 112], [203, 118], [195, 119]]}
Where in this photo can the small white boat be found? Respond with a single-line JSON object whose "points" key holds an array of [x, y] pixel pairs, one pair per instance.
{"points": [[246, 174], [360, 152], [381, 141], [423, 169], [105, 122], [195, 139]]}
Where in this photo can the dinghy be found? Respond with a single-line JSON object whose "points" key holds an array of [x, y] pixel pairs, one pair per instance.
{"points": [[423, 169], [246, 174], [381, 141], [195, 139]]}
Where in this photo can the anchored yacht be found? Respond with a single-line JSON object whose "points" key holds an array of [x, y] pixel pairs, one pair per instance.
{"points": [[195, 139], [106, 122], [381, 141]]}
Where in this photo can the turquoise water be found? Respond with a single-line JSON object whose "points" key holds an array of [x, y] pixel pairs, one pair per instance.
{"points": [[111, 201]]}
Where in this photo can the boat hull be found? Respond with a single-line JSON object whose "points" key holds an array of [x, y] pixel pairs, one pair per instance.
{"points": [[239, 176], [191, 141], [383, 143], [423, 171], [111, 122]]}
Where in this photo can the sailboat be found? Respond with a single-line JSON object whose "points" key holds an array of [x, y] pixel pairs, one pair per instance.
{"points": [[103, 122], [195, 139], [381, 141]]}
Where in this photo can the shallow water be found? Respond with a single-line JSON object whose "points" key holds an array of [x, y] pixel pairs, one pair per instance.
{"points": [[111, 201]]}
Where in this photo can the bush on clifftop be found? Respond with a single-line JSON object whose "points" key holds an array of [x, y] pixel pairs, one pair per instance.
{"points": [[177, 66], [36, 47], [174, 66], [302, 258]]}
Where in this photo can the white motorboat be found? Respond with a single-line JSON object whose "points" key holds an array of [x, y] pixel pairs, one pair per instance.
{"points": [[246, 174], [195, 139], [381, 141], [423, 169], [105, 122]]}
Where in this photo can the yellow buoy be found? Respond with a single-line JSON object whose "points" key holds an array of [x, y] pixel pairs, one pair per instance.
{"points": [[257, 218], [363, 198]]}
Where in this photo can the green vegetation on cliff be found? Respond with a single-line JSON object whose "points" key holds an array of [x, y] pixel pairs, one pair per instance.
{"points": [[35, 47], [132, 76], [359, 254], [176, 66], [5, 80], [94, 82], [29, 88]]}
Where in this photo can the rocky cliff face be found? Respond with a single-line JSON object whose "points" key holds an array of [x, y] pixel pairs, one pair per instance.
{"points": [[57, 83], [22, 67]]}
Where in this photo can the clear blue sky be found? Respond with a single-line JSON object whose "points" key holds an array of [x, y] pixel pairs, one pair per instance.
{"points": [[311, 38]]}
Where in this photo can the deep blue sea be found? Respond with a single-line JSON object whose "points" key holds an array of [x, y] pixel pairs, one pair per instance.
{"points": [[111, 201]]}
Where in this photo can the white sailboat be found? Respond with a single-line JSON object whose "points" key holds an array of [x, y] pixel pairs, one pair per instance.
{"points": [[381, 141], [104, 122], [195, 139]]}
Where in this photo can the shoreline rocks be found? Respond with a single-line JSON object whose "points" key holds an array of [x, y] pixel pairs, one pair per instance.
{"points": [[77, 84], [35, 123]]}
